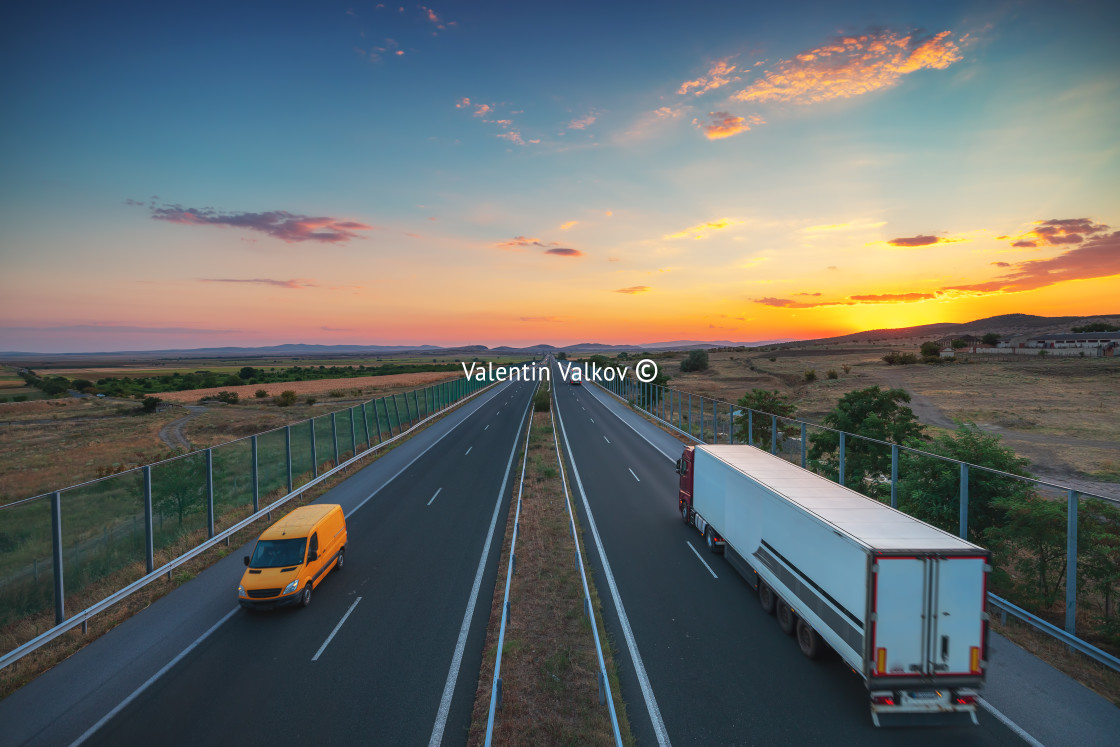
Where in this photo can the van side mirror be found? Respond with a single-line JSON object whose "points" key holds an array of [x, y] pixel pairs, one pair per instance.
{"points": [[312, 556], [246, 560]]}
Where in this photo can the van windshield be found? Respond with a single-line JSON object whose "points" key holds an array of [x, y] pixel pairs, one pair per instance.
{"points": [[277, 553]]}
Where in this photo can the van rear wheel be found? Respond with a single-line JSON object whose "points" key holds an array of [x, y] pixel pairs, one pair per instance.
{"points": [[305, 598], [808, 640], [766, 597], [787, 621]]}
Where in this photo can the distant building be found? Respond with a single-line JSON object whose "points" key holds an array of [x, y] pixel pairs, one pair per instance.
{"points": [[1070, 344]]}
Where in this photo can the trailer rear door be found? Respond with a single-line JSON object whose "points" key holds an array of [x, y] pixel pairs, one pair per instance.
{"points": [[898, 639], [957, 634]]}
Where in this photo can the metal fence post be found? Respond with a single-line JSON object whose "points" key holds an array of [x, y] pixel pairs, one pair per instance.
{"points": [[353, 434], [702, 420], [690, 413], [750, 427], [842, 434], [1071, 563], [288, 453], [715, 422], [314, 450], [334, 437], [731, 421], [964, 501], [56, 542], [397, 412], [773, 434], [149, 540], [256, 478], [803, 449], [377, 420], [365, 425], [894, 475], [210, 492]]}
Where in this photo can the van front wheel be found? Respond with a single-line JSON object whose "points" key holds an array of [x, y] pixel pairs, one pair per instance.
{"points": [[305, 598], [341, 558]]}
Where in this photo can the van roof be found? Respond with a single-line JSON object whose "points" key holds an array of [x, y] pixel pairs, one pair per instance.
{"points": [[299, 522]]}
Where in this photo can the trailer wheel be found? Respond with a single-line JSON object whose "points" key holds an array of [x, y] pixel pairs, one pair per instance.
{"points": [[808, 640], [787, 621], [766, 597], [684, 513]]}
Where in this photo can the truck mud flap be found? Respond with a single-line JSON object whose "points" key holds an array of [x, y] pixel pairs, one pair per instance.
{"points": [[909, 719]]}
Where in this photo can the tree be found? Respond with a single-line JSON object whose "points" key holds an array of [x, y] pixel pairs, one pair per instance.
{"points": [[697, 360], [990, 338], [873, 413], [150, 404], [81, 384], [764, 403], [929, 488], [287, 398], [561, 356], [1096, 327], [931, 349], [179, 486]]}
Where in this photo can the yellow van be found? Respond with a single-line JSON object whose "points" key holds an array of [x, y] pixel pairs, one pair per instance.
{"points": [[292, 556]]}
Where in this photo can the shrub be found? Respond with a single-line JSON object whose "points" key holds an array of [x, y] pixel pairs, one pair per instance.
{"points": [[260, 394], [847, 368], [990, 338], [19, 398], [310, 400], [697, 360], [832, 374], [231, 398], [287, 398], [336, 393], [541, 401], [150, 404], [810, 375], [773, 358], [896, 358]]}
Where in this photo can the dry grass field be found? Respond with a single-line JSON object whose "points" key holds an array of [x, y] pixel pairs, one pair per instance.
{"points": [[1059, 413], [362, 386]]}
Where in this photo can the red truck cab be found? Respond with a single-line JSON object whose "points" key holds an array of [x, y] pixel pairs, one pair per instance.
{"points": [[688, 515]]}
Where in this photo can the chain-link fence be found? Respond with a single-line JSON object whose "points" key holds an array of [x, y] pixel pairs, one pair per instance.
{"points": [[1055, 550], [68, 550]]}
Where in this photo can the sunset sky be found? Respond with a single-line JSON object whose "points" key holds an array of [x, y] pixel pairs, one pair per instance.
{"points": [[211, 174]]}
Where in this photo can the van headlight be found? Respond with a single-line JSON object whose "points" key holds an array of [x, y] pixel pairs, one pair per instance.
{"points": [[291, 587], [241, 591]]}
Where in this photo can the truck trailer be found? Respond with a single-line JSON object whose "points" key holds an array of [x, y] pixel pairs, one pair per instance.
{"points": [[901, 602]]}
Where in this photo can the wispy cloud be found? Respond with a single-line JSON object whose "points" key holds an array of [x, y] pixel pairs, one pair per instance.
{"points": [[719, 75], [569, 224], [651, 123], [520, 243], [513, 136], [1097, 258], [582, 123], [297, 283], [894, 297], [1056, 232], [852, 66], [280, 224], [633, 290], [723, 124], [915, 241], [852, 226], [703, 230]]}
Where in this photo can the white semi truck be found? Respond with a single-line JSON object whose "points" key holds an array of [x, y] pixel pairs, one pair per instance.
{"points": [[902, 602]]}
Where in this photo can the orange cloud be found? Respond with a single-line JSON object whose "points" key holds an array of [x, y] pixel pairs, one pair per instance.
{"points": [[583, 122], [462, 103], [634, 289], [297, 283], [564, 251], [569, 224], [513, 136], [1055, 232], [913, 241], [851, 66], [702, 230], [481, 110], [280, 224], [1096, 258], [725, 125], [519, 243], [718, 75], [895, 297]]}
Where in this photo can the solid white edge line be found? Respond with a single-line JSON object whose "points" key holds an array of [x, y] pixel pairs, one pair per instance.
{"points": [[151, 680], [697, 554], [1019, 731], [635, 476], [434, 496], [631, 427], [628, 634], [461, 644], [336, 629], [415, 458]]}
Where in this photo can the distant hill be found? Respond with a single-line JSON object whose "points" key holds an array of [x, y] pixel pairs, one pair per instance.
{"points": [[1005, 325]]}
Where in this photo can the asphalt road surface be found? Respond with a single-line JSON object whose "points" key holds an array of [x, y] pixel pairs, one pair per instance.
{"points": [[718, 670], [388, 652]]}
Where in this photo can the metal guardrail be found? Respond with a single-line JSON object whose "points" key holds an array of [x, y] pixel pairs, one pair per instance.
{"points": [[645, 393], [82, 618]]}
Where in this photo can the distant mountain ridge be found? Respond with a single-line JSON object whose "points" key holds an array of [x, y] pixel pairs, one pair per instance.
{"points": [[1005, 325]]}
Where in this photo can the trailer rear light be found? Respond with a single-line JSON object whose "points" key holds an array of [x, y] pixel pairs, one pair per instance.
{"points": [[881, 661], [974, 659], [965, 700], [883, 700]]}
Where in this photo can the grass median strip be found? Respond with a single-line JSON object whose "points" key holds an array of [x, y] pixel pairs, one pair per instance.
{"points": [[550, 689]]}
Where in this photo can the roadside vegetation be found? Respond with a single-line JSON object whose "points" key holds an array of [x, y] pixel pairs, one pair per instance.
{"points": [[549, 666]]}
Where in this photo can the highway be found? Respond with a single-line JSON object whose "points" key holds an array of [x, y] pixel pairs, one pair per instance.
{"points": [[388, 652], [718, 669]]}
